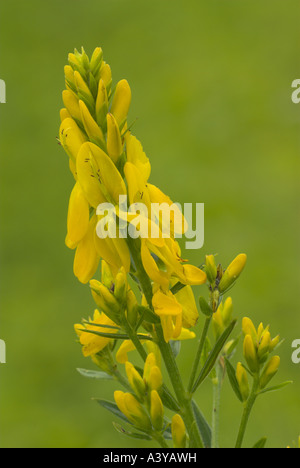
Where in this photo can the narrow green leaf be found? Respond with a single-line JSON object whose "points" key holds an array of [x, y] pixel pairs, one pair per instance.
{"points": [[233, 380], [101, 325], [213, 356], [205, 307], [276, 387], [194, 437], [133, 435], [91, 374], [147, 315], [203, 426], [116, 336], [260, 443], [113, 408], [167, 399]]}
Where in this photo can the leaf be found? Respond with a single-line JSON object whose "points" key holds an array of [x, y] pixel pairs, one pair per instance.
{"points": [[175, 346], [260, 443], [116, 336], [213, 356], [233, 380], [276, 387], [112, 407], [194, 437], [134, 435], [147, 315], [101, 325], [168, 432], [205, 307], [91, 374], [167, 399], [203, 425]]}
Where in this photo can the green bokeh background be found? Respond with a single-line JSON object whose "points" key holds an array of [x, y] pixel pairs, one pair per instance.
{"points": [[211, 85]]}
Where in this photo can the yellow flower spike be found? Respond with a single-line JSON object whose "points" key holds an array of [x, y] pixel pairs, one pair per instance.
{"points": [[104, 299], [136, 413], [155, 379], [92, 344], [250, 354], [136, 155], [93, 131], [78, 217], [96, 60], [156, 411], [135, 380], [249, 328], [121, 102], [178, 432], [264, 345], [71, 137], [269, 371], [243, 382], [233, 272], [101, 104], [114, 142], [71, 104], [86, 258]]}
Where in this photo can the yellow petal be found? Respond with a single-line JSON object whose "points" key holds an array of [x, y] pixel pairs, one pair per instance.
{"points": [[165, 304], [71, 137], [121, 102], [136, 155], [186, 299], [86, 257], [137, 190], [71, 104], [92, 129], [151, 268], [114, 142], [78, 216], [194, 275]]}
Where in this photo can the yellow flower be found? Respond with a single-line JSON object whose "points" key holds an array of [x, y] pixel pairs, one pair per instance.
{"points": [[156, 411], [170, 312], [133, 410], [86, 258], [232, 272], [178, 432], [92, 344], [121, 102], [78, 217]]}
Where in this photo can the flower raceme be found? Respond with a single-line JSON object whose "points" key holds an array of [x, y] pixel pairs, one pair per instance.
{"points": [[111, 169]]}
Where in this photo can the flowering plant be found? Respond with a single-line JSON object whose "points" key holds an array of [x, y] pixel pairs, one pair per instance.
{"points": [[143, 294]]}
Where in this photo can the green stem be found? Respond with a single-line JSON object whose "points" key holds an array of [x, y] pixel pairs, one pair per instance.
{"points": [[161, 440], [183, 398], [119, 377], [247, 410], [217, 385], [198, 354]]}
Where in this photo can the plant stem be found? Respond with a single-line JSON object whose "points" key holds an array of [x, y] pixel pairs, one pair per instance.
{"points": [[247, 410], [198, 354], [217, 385], [161, 440], [183, 398]]}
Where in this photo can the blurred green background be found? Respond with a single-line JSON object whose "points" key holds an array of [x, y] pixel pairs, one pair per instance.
{"points": [[211, 86]]}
